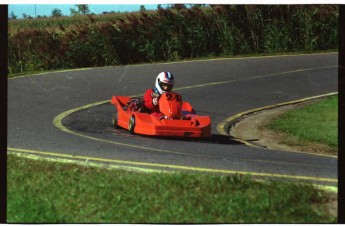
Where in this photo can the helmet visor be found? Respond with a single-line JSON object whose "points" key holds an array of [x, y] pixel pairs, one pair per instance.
{"points": [[166, 87]]}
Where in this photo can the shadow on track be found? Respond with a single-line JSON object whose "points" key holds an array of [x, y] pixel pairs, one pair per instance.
{"points": [[214, 139], [87, 121]]}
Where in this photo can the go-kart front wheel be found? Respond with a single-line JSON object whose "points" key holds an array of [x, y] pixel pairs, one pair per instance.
{"points": [[115, 120], [131, 124]]}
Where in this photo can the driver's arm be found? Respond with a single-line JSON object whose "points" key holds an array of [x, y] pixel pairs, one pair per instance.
{"points": [[150, 99]]}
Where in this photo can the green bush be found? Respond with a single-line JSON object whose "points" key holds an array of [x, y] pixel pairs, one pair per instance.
{"points": [[169, 34]]}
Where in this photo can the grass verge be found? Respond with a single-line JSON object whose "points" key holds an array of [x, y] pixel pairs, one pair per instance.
{"points": [[45, 192], [314, 123]]}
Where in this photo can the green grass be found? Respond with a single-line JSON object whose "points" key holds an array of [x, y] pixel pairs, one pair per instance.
{"points": [[317, 122], [44, 192]]}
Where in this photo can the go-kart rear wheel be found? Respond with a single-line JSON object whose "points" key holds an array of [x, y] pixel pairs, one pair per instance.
{"points": [[115, 120], [131, 124]]}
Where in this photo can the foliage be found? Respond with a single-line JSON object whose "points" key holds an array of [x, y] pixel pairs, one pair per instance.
{"points": [[169, 34], [12, 16], [82, 9], [56, 13]]}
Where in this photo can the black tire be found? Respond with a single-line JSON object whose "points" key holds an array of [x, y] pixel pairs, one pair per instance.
{"points": [[131, 124], [115, 120]]}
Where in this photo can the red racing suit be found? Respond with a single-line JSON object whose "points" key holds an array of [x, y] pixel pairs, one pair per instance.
{"points": [[148, 102]]}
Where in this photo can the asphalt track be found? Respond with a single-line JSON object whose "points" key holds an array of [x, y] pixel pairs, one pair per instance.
{"points": [[67, 115]]}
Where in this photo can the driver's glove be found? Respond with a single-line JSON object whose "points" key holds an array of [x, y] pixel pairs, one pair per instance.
{"points": [[155, 101]]}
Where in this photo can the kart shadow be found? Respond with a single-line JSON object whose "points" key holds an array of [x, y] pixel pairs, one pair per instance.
{"points": [[214, 139]]}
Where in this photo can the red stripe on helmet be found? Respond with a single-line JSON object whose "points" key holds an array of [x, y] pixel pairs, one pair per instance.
{"points": [[168, 77]]}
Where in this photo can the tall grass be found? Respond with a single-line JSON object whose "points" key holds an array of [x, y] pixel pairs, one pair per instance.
{"points": [[169, 34]]}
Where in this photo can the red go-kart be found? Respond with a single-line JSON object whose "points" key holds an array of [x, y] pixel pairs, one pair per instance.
{"points": [[179, 118]]}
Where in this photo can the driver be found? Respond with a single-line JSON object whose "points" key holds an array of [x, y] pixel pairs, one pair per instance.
{"points": [[164, 83]]}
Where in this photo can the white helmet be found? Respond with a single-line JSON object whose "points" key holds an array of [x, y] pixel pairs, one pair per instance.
{"points": [[164, 82]]}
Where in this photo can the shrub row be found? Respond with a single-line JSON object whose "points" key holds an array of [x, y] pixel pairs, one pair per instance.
{"points": [[173, 34]]}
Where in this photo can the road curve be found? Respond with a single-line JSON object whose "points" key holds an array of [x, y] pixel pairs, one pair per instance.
{"points": [[68, 115]]}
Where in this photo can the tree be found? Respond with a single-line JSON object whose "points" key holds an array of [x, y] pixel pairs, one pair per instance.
{"points": [[82, 9], [142, 8], [56, 12], [74, 12], [177, 6], [12, 16], [197, 5]]}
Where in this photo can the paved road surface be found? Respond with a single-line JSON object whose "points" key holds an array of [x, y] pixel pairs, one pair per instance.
{"points": [[45, 115]]}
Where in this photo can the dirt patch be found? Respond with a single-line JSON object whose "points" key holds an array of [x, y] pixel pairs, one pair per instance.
{"points": [[251, 128]]}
